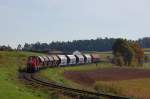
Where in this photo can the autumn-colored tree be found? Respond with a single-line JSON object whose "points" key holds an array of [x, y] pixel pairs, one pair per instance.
{"points": [[139, 52], [130, 51], [121, 48]]}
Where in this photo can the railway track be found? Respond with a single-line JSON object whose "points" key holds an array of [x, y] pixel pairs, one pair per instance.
{"points": [[34, 79]]}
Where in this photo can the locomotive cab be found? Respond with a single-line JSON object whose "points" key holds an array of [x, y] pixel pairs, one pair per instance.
{"points": [[32, 64]]}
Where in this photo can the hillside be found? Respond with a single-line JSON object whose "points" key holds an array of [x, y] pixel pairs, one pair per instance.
{"points": [[11, 87]]}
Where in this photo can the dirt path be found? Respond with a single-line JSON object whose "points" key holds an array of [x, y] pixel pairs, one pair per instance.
{"points": [[106, 74]]}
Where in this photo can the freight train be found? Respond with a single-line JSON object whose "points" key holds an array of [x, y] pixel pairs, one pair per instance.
{"points": [[35, 63]]}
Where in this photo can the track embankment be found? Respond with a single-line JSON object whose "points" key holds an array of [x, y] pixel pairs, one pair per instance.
{"points": [[31, 77]]}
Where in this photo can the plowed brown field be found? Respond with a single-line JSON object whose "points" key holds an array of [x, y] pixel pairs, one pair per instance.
{"points": [[106, 74]]}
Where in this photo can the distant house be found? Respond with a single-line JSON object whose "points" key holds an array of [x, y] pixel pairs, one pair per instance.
{"points": [[77, 53]]}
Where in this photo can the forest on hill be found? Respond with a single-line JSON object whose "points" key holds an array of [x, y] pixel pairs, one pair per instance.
{"points": [[98, 44]]}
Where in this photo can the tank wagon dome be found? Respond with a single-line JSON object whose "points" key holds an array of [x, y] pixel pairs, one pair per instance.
{"points": [[71, 56], [80, 56], [63, 60], [62, 56]]}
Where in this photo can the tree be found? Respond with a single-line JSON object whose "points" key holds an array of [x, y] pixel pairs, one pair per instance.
{"points": [[139, 52], [121, 49], [130, 51]]}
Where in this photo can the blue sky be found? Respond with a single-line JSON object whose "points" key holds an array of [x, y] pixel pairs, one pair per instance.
{"points": [[61, 20]]}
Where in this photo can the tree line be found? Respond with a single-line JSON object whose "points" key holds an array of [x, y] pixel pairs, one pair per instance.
{"points": [[69, 46], [144, 42], [98, 44], [5, 48]]}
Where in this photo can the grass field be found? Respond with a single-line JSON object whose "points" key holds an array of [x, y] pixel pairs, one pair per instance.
{"points": [[123, 87], [137, 88], [56, 74], [147, 51], [10, 85]]}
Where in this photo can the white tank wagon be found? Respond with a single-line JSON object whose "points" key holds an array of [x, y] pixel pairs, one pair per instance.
{"points": [[88, 58], [71, 59], [63, 60], [80, 59]]}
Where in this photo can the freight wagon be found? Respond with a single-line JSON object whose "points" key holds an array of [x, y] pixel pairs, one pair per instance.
{"points": [[71, 59], [35, 63], [87, 58], [80, 59], [63, 60]]}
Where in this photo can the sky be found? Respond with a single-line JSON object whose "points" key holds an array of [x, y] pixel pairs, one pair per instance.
{"points": [[62, 20]]}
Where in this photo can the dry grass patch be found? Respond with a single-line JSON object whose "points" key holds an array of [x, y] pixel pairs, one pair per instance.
{"points": [[138, 88]]}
